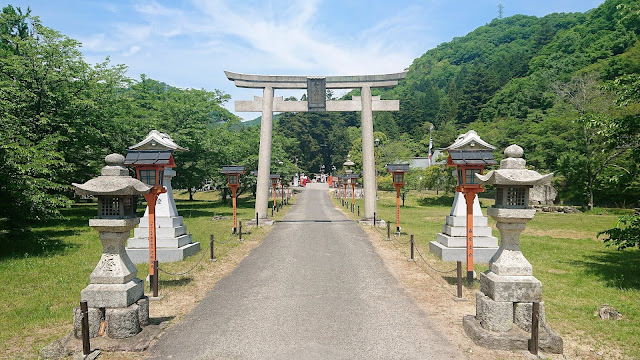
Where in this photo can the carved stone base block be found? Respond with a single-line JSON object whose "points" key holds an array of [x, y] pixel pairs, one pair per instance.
{"points": [[113, 295]]}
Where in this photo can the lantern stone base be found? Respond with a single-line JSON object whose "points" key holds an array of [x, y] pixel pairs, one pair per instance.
{"points": [[451, 243], [113, 295], [120, 322], [172, 241], [514, 339], [369, 222], [510, 288]]}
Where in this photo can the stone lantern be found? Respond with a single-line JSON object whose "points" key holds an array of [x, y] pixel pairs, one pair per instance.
{"points": [[115, 294], [509, 289], [398, 171]]}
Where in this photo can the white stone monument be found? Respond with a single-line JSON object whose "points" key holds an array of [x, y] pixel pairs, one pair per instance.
{"points": [[115, 294], [509, 289], [451, 243], [172, 241]]}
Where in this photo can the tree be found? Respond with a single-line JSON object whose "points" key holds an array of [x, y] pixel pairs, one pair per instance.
{"points": [[602, 141], [54, 111], [626, 234]]}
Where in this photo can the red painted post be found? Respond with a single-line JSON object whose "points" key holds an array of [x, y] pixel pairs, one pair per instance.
{"points": [[469, 197], [398, 209]]}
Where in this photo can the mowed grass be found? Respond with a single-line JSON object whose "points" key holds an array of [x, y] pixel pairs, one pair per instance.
{"points": [[42, 277], [577, 271]]}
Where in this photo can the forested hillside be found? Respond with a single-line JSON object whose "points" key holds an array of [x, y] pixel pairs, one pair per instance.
{"points": [[565, 87], [562, 86]]}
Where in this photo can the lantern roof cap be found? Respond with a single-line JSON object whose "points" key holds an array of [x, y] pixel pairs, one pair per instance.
{"points": [[348, 162], [232, 169], [397, 167], [149, 157], [114, 180], [472, 157], [157, 140], [470, 141], [513, 171]]}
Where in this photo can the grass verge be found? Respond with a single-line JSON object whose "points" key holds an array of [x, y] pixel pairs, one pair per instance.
{"points": [[577, 271], [40, 287]]}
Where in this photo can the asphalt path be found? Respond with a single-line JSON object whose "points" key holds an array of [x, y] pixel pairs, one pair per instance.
{"points": [[314, 289]]}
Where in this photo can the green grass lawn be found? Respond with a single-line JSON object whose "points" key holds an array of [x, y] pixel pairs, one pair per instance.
{"points": [[577, 271], [42, 275]]}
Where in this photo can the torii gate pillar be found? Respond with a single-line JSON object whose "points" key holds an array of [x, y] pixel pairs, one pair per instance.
{"points": [[316, 87]]}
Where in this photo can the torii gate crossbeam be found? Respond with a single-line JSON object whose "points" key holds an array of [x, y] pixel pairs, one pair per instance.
{"points": [[316, 86]]}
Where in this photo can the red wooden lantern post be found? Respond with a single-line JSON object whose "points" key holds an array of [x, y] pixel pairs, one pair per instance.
{"points": [[149, 165], [398, 171], [274, 183], [468, 163], [233, 173]]}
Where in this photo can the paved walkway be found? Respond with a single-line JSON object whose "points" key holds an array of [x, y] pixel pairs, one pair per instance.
{"points": [[314, 289]]}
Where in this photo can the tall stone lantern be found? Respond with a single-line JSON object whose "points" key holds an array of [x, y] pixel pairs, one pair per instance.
{"points": [[115, 294], [509, 289]]}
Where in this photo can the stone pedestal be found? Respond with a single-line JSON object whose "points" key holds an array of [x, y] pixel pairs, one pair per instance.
{"points": [[115, 295], [451, 243], [507, 291], [172, 241]]}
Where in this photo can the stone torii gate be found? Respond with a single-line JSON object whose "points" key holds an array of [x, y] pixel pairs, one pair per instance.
{"points": [[316, 95]]}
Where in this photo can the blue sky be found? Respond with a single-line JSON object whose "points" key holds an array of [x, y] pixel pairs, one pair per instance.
{"points": [[189, 43]]}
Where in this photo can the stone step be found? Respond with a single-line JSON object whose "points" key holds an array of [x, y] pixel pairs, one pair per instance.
{"points": [[162, 222], [141, 256], [480, 255], [462, 230], [461, 221], [161, 232], [161, 242], [461, 241]]}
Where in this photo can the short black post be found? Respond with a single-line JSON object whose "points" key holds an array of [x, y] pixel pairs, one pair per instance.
{"points": [[374, 219], [154, 283], [388, 231], [256, 219], [352, 207], [533, 343], [358, 210], [272, 210], [459, 268], [240, 231], [402, 199], [86, 345], [412, 245], [212, 255]]}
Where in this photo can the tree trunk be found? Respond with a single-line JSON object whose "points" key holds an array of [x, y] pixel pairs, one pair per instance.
{"points": [[190, 194]]}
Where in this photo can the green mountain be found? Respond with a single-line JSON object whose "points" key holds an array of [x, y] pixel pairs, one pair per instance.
{"points": [[545, 83]]}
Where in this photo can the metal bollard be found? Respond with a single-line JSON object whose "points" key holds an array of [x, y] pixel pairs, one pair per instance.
{"points": [[459, 268], [388, 231], [212, 256], [374, 219], [533, 343], [358, 210], [86, 345], [256, 219], [412, 244], [154, 283], [240, 231]]}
